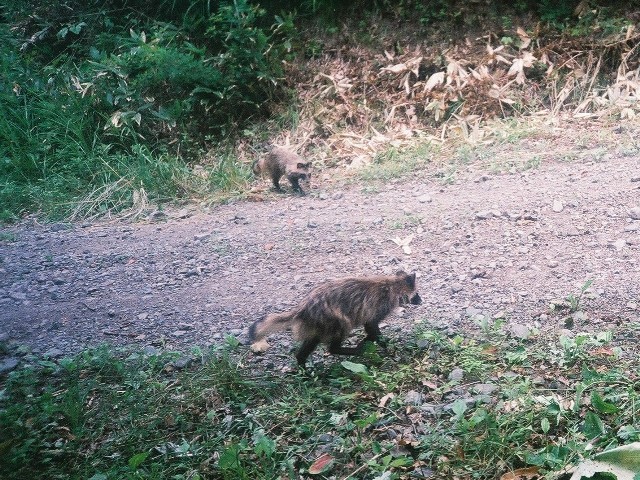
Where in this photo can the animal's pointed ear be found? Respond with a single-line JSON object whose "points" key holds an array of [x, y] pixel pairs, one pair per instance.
{"points": [[302, 166], [411, 280]]}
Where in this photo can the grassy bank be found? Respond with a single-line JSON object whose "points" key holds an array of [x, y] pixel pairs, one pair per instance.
{"points": [[434, 406]]}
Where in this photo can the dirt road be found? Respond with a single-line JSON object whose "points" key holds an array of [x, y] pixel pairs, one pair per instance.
{"points": [[487, 244]]}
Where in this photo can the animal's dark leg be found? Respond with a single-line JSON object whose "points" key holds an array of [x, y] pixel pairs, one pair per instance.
{"points": [[373, 335], [276, 183], [336, 348], [373, 331], [296, 185], [416, 299], [305, 350]]}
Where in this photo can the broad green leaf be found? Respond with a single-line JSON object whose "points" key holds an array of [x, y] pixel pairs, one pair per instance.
{"points": [[354, 367], [365, 422], [627, 456], [230, 458], [601, 405], [622, 463], [137, 459], [401, 462], [627, 432], [593, 426], [263, 444], [459, 407], [545, 425]]}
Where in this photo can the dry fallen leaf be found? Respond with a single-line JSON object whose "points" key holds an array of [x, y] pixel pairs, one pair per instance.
{"points": [[530, 473], [383, 401], [525, 39], [404, 243], [434, 80], [322, 464]]}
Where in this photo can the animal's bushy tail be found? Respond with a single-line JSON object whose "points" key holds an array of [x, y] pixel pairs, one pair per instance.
{"points": [[271, 323], [256, 168]]}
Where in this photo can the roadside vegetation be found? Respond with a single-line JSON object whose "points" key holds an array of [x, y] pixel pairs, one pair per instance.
{"points": [[114, 107], [435, 405]]}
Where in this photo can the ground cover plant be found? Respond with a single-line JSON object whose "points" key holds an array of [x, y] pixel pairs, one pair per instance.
{"points": [[435, 406]]}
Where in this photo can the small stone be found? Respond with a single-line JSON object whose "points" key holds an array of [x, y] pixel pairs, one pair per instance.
{"points": [[570, 231], [157, 215], [184, 213], [484, 215], [635, 179], [552, 263], [53, 353], [142, 316], [422, 472], [325, 438], [59, 281], [312, 225], [178, 333], [150, 350], [182, 362], [413, 398], [323, 196], [8, 364], [201, 236], [632, 305], [557, 206], [456, 287], [426, 198], [634, 213], [472, 311], [58, 227], [632, 227], [485, 388], [456, 375], [538, 380], [520, 331], [619, 244]]}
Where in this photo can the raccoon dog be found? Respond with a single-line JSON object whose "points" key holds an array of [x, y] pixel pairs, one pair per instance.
{"points": [[280, 161], [331, 310]]}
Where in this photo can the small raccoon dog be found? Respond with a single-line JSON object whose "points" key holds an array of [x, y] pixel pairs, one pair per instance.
{"points": [[331, 310], [280, 161]]}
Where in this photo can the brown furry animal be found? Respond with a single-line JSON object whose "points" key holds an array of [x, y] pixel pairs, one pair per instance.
{"points": [[331, 310], [280, 161]]}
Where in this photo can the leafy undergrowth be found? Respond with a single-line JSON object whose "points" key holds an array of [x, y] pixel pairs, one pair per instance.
{"points": [[433, 406]]}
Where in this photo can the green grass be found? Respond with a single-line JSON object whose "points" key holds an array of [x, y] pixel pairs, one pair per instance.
{"points": [[112, 414], [395, 163]]}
